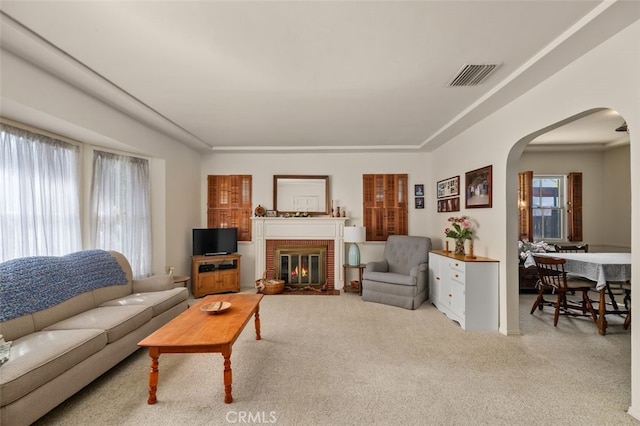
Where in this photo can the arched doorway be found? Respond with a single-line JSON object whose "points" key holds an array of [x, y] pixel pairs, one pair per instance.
{"points": [[614, 162]]}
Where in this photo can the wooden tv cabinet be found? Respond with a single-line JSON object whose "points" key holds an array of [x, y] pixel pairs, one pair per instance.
{"points": [[215, 274]]}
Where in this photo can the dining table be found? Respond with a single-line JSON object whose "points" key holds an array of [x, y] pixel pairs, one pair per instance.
{"points": [[604, 269]]}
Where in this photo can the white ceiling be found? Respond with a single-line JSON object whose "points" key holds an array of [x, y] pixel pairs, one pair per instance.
{"points": [[315, 75]]}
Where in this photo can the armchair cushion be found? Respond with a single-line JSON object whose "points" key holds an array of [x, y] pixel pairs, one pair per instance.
{"points": [[391, 278], [379, 266], [401, 278]]}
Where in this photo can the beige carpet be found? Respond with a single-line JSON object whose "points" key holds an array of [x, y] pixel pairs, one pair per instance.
{"points": [[341, 361]]}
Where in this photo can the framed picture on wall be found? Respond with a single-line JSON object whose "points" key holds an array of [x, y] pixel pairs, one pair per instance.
{"points": [[448, 187], [449, 205], [419, 202], [419, 190], [477, 185]]}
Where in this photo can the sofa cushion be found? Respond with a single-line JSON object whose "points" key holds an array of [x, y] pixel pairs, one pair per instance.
{"points": [[39, 357], [159, 301], [390, 278], [153, 283], [17, 327], [68, 308], [117, 321]]}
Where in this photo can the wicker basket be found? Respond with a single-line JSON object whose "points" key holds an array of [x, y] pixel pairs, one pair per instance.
{"points": [[267, 285]]}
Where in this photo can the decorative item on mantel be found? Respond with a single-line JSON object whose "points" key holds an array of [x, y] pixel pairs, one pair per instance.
{"points": [[260, 211], [354, 235], [460, 232]]}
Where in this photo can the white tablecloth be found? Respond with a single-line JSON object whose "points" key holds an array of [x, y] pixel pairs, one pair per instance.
{"points": [[598, 267]]}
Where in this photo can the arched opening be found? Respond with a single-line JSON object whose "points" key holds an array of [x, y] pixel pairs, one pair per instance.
{"points": [[607, 210]]}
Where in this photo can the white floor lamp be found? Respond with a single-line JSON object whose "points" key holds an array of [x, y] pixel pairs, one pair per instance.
{"points": [[354, 235]]}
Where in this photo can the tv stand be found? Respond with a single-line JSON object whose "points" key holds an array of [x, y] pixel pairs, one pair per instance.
{"points": [[215, 274]]}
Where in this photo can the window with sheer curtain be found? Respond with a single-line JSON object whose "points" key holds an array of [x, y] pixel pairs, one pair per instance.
{"points": [[39, 195], [121, 208]]}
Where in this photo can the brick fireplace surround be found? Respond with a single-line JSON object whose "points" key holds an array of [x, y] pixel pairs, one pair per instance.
{"points": [[308, 231]]}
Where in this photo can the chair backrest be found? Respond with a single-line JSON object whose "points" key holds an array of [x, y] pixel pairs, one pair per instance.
{"points": [[584, 248], [551, 271], [403, 252]]}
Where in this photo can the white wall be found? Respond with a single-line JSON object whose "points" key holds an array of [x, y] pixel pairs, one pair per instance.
{"points": [[36, 98], [589, 82], [345, 172]]}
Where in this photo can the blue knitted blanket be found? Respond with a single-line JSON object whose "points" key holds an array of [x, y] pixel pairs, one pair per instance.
{"points": [[31, 284]]}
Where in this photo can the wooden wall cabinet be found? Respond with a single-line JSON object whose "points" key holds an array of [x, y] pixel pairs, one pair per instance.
{"points": [[465, 289], [385, 205], [215, 274]]}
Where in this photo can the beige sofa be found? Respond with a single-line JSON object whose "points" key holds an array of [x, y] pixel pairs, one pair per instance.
{"points": [[58, 350]]}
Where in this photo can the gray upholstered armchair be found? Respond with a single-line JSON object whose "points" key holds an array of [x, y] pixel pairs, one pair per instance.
{"points": [[402, 277]]}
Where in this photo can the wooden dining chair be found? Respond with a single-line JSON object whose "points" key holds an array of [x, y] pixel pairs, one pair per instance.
{"points": [[553, 276], [626, 287], [584, 248]]}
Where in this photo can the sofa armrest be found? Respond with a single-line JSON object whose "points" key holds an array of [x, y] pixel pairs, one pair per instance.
{"points": [[153, 283], [378, 266]]}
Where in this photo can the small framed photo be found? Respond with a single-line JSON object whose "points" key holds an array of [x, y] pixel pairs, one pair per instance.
{"points": [[272, 213], [449, 205], [419, 190], [419, 202], [448, 187], [478, 190]]}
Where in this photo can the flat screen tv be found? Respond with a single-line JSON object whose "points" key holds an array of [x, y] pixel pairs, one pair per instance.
{"points": [[215, 241]]}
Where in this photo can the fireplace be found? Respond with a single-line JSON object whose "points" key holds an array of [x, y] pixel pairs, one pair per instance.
{"points": [[301, 266], [316, 256], [270, 233]]}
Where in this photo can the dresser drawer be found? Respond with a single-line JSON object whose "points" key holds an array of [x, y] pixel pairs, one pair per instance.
{"points": [[457, 271], [457, 275]]}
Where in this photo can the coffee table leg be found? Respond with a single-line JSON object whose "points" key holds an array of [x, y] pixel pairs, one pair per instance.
{"points": [[226, 353], [154, 353], [257, 321]]}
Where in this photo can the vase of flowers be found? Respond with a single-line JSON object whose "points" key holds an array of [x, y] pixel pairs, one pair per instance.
{"points": [[460, 231]]}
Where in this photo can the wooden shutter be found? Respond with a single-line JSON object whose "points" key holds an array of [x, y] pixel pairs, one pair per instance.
{"points": [[385, 205], [574, 207], [525, 208], [229, 203]]}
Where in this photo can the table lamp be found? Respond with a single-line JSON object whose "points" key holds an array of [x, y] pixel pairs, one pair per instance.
{"points": [[354, 235]]}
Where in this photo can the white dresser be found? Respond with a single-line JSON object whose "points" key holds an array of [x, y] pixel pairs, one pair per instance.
{"points": [[465, 289]]}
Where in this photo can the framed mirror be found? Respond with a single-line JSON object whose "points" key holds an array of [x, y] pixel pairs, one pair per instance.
{"points": [[301, 193]]}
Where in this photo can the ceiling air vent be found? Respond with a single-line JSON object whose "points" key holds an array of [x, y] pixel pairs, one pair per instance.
{"points": [[472, 75]]}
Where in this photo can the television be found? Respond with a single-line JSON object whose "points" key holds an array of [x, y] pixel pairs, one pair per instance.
{"points": [[215, 241]]}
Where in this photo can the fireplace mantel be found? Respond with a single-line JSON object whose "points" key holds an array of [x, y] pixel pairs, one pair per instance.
{"points": [[300, 228]]}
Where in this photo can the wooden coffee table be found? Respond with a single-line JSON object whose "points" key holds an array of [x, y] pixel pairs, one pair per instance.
{"points": [[195, 331]]}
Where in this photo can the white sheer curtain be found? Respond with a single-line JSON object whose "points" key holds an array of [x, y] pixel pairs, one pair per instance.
{"points": [[39, 195], [120, 208]]}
